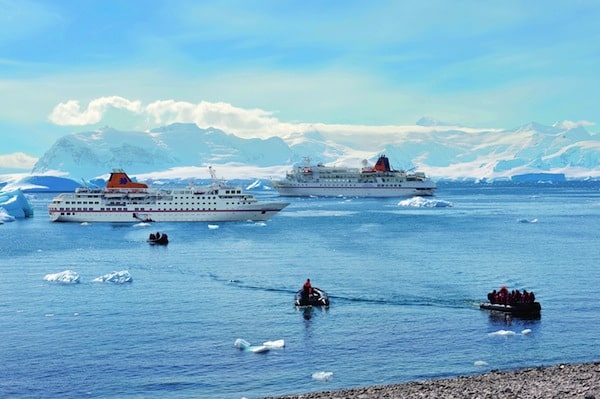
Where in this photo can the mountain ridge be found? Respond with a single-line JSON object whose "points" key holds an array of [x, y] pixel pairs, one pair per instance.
{"points": [[439, 150]]}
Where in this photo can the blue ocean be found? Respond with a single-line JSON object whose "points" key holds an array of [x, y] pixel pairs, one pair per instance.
{"points": [[405, 281]]}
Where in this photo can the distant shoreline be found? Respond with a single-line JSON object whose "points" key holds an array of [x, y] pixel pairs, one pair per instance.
{"points": [[581, 380]]}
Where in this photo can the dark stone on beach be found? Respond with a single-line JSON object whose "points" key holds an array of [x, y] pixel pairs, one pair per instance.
{"points": [[554, 382]]}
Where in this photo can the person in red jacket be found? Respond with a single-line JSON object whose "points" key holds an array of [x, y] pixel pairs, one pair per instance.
{"points": [[306, 290]]}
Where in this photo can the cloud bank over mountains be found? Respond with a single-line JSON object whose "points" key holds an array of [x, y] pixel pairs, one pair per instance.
{"points": [[443, 152], [240, 121]]}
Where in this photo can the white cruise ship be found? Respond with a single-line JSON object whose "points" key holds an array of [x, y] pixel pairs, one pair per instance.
{"points": [[330, 181], [126, 201]]}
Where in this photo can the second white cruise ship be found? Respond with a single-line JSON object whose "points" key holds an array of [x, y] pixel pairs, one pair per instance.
{"points": [[379, 180]]}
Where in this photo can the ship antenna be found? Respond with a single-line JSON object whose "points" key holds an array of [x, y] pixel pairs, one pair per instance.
{"points": [[215, 181]]}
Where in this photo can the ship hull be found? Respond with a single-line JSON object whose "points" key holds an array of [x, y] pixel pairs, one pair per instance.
{"points": [[262, 213], [352, 191]]}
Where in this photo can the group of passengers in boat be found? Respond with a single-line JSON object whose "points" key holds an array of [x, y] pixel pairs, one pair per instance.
{"points": [[504, 297]]}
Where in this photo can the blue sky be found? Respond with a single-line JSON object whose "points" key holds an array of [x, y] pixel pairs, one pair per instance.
{"points": [[260, 67]]}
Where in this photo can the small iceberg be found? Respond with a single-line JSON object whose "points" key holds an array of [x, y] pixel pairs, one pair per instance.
{"points": [[502, 333], [480, 363], [420, 202], [66, 277], [244, 345], [277, 344], [5, 217], [322, 375], [115, 277], [526, 221], [213, 226], [526, 331]]}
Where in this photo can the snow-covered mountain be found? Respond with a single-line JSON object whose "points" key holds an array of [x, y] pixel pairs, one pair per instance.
{"points": [[442, 152]]}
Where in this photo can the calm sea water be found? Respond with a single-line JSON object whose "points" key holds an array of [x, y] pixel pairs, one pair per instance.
{"points": [[405, 285]]}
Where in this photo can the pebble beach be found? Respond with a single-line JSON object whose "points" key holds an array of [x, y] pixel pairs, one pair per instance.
{"points": [[559, 381]]}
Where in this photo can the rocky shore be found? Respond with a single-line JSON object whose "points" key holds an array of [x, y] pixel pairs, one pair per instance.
{"points": [[561, 381]]}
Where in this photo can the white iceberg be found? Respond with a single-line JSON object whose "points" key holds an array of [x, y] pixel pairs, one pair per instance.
{"points": [[5, 217], [525, 221], [65, 277], [115, 277], [420, 202], [247, 346], [502, 333], [14, 204], [322, 375], [277, 344]]}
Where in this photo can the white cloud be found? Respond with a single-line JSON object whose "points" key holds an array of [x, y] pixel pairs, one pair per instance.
{"points": [[244, 122], [247, 123], [18, 160], [70, 113], [221, 115]]}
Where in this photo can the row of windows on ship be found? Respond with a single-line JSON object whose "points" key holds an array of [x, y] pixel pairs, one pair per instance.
{"points": [[68, 210], [122, 203], [351, 184], [360, 180]]}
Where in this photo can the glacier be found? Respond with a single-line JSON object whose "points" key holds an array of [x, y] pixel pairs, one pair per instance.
{"points": [[181, 151]]}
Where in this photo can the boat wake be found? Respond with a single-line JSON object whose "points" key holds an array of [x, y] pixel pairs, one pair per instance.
{"points": [[393, 300]]}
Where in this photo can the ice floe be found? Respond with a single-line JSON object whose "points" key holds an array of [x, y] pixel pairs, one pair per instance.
{"points": [[508, 333], [65, 277], [420, 202], [119, 277], [502, 333], [322, 375], [480, 363], [244, 345], [277, 344], [525, 221]]}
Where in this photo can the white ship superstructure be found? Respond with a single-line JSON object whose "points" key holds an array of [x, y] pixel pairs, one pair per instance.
{"points": [[377, 181], [126, 201]]}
